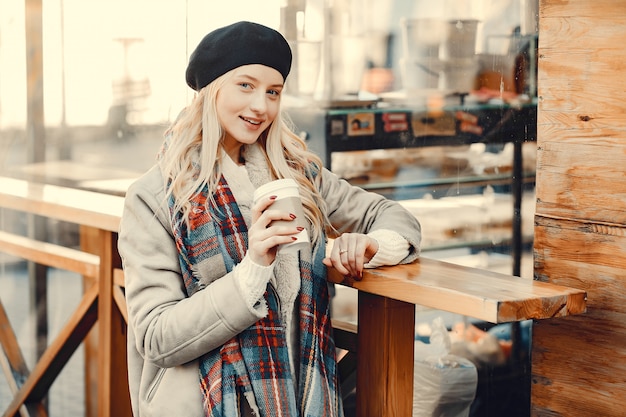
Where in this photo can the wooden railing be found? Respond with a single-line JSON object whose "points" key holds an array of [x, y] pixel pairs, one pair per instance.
{"points": [[382, 348], [98, 216]]}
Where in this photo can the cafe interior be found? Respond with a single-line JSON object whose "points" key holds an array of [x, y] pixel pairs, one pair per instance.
{"points": [[431, 104]]}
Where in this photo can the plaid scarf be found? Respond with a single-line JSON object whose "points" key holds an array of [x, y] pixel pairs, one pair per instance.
{"points": [[254, 365]]}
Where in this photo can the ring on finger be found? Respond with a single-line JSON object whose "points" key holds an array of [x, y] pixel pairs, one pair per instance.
{"points": [[342, 251]]}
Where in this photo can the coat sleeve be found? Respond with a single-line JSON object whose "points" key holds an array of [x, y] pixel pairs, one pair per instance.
{"points": [[170, 328], [352, 209]]}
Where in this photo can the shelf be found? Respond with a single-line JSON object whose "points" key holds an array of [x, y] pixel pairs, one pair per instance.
{"points": [[480, 221], [494, 179], [477, 244]]}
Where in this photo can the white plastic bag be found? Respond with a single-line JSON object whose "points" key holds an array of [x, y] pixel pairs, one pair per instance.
{"points": [[444, 384]]}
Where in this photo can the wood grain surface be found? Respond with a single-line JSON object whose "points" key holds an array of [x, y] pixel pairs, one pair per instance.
{"points": [[88, 208], [485, 295], [579, 362]]}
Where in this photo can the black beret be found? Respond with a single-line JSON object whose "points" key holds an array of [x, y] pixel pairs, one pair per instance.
{"points": [[232, 46]]}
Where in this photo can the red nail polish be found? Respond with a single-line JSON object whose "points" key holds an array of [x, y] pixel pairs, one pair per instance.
{"points": [[293, 216], [294, 238], [300, 228], [273, 197]]}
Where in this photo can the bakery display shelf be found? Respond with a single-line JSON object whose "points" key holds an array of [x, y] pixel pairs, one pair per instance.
{"points": [[415, 151], [478, 221], [477, 244], [387, 186]]}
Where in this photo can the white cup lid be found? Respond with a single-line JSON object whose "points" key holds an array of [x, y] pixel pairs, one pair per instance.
{"points": [[286, 187]]}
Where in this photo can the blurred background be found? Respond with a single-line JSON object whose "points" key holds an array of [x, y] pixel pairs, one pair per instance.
{"points": [[122, 62]]}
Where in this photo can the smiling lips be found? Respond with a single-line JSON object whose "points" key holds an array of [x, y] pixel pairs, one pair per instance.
{"points": [[254, 122]]}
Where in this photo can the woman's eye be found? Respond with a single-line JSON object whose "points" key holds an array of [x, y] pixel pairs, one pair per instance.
{"points": [[273, 92], [245, 85]]}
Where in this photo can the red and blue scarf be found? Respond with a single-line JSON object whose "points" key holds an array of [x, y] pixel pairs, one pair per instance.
{"points": [[254, 365]]}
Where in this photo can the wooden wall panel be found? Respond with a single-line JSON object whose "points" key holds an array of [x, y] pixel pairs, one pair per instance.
{"points": [[582, 181], [581, 129], [579, 363], [585, 256], [590, 379]]}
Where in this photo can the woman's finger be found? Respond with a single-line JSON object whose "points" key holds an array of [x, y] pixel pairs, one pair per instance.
{"points": [[261, 206]]}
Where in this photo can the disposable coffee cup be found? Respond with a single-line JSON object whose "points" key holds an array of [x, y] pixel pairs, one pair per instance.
{"points": [[287, 200]]}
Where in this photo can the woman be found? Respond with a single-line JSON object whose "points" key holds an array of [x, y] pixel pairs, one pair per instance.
{"points": [[220, 322]]}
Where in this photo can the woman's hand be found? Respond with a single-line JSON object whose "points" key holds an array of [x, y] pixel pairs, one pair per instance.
{"points": [[350, 252], [265, 236]]}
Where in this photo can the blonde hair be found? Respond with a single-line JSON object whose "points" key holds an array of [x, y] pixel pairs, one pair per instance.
{"points": [[195, 140]]}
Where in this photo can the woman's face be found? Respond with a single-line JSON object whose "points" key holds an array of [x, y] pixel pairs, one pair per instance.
{"points": [[247, 104]]}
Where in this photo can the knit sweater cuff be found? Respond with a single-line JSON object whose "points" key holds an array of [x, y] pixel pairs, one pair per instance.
{"points": [[392, 248], [252, 279]]}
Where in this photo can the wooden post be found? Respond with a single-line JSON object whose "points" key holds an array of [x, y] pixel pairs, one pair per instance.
{"points": [[89, 243], [35, 134], [36, 152], [387, 336], [113, 396]]}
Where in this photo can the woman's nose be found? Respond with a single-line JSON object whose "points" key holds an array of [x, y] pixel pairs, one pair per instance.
{"points": [[258, 102]]}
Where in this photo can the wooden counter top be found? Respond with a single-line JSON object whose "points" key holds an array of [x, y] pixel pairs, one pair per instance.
{"points": [[88, 208], [478, 293]]}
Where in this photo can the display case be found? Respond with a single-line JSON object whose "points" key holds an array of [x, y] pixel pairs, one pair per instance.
{"points": [[445, 163]]}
